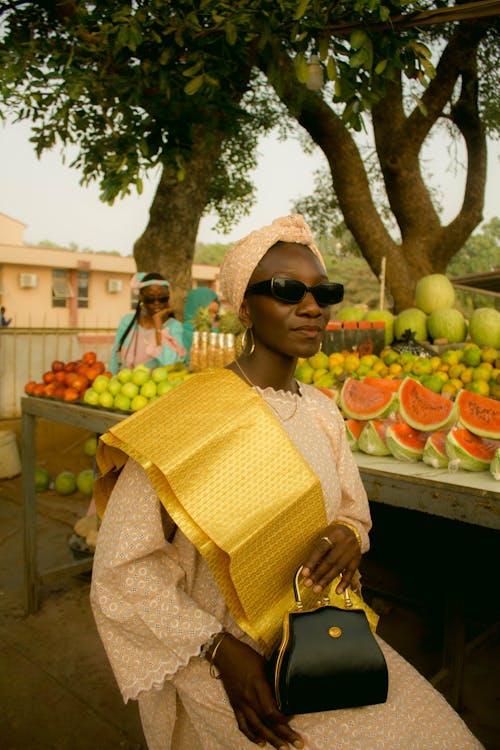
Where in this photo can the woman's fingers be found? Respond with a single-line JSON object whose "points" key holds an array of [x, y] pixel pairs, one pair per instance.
{"points": [[336, 552]]}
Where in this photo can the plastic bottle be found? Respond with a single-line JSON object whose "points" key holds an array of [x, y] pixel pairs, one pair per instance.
{"points": [[194, 356]]}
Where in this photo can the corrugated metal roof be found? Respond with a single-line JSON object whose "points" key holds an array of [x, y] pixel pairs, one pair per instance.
{"points": [[481, 282]]}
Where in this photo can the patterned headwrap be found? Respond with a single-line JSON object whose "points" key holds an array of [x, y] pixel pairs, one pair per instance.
{"points": [[242, 257], [137, 283]]}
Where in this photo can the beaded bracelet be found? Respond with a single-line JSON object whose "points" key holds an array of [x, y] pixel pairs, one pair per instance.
{"points": [[352, 528]]}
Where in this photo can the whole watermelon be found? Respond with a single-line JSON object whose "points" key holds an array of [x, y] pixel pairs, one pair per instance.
{"points": [[434, 292]]}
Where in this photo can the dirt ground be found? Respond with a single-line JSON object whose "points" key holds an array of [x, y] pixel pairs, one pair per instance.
{"points": [[57, 691]]}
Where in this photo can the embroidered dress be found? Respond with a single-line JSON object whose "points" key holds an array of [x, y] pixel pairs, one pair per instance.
{"points": [[157, 603], [140, 347]]}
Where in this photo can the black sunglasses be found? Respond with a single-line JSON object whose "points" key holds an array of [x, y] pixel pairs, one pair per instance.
{"points": [[293, 291], [152, 300]]}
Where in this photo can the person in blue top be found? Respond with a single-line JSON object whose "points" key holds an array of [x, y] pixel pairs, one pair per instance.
{"points": [[150, 336], [202, 296]]}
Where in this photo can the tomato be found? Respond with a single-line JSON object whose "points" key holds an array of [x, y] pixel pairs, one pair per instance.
{"points": [[39, 389], [89, 357], [70, 378], [82, 369], [71, 394], [49, 376], [80, 383], [69, 366], [30, 387], [60, 376], [50, 388], [57, 365], [92, 373], [59, 391], [99, 366]]}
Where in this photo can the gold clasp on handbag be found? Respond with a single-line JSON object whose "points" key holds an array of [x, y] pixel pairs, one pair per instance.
{"points": [[299, 604]]}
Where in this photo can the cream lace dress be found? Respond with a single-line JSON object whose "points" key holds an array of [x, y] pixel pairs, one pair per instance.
{"points": [[156, 604]]}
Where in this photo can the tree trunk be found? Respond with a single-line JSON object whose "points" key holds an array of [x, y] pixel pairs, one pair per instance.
{"points": [[168, 243], [426, 246]]}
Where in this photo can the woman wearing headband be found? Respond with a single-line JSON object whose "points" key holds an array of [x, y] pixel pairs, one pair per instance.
{"points": [[220, 491], [150, 336]]}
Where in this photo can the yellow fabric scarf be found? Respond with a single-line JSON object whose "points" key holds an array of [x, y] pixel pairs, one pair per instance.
{"points": [[233, 482]]}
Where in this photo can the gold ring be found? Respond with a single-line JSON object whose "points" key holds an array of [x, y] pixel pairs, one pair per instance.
{"points": [[326, 539]]}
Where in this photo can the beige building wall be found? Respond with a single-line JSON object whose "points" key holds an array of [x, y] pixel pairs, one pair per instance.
{"points": [[27, 283]]}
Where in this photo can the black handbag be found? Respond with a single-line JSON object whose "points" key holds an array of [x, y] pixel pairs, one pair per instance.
{"points": [[328, 659]]}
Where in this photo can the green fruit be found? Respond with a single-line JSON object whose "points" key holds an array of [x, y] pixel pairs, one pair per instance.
{"points": [[148, 389], [65, 483], [106, 400], [121, 402], [130, 389], [124, 375], [413, 319], [140, 375], [434, 292], [100, 384], [91, 397], [447, 323], [42, 480], [159, 374], [164, 387], [319, 361], [138, 402], [85, 481], [90, 446], [484, 327], [386, 317], [351, 313], [304, 373], [114, 386]]}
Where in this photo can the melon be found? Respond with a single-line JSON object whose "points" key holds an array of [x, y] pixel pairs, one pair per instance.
{"points": [[424, 409], [434, 292], [495, 465], [484, 327], [480, 414], [388, 384], [354, 428], [363, 402], [411, 319], [447, 323], [435, 450], [372, 440], [469, 451], [405, 443], [351, 313], [386, 317]]}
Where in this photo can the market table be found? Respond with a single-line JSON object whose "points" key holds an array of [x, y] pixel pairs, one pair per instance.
{"points": [[472, 498]]}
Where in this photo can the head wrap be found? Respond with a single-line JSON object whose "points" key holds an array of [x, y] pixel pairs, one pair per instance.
{"points": [[242, 257], [202, 296], [137, 283]]}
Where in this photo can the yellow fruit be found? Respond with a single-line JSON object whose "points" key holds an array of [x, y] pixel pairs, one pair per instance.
{"points": [[421, 366], [379, 365], [395, 368], [472, 356], [495, 391], [466, 376], [489, 354], [304, 373], [337, 370], [368, 359], [481, 373], [456, 371], [479, 386], [389, 357], [435, 363], [318, 373], [450, 357], [336, 358], [450, 389], [456, 382], [433, 383], [444, 377], [351, 363], [319, 361]]}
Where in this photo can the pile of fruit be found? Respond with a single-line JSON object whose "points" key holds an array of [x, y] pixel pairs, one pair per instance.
{"points": [[68, 381], [434, 317], [404, 419], [473, 368], [131, 390]]}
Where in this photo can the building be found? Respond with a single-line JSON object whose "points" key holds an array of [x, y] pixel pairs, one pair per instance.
{"points": [[59, 288]]}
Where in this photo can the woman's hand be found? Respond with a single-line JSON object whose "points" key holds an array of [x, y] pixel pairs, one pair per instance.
{"points": [[242, 673], [160, 316], [337, 551]]}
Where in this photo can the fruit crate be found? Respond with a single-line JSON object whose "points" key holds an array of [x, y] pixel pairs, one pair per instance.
{"points": [[364, 336]]}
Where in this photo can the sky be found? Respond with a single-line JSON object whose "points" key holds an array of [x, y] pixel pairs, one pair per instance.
{"points": [[45, 194]]}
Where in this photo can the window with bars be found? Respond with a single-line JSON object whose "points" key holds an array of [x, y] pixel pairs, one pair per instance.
{"points": [[61, 290], [83, 288]]}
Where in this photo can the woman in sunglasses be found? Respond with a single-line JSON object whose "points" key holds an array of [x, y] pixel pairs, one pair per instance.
{"points": [[150, 336], [237, 478]]}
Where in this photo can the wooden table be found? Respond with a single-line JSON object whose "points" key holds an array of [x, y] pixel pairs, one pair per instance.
{"points": [[78, 415]]}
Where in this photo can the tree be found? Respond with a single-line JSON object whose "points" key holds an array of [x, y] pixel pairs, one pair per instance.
{"points": [[146, 83]]}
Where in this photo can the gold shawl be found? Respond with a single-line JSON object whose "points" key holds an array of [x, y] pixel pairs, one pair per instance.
{"points": [[233, 482]]}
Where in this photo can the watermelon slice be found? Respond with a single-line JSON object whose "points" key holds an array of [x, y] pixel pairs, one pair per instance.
{"points": [[405, 443], [388, 384], [471, 452], [435, 450], [495, 465], [479, 414], [423, 409], [372, 440], [354, 428], [364, 402]]}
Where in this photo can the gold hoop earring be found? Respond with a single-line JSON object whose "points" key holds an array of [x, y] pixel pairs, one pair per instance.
{"points": [[244, 341]]}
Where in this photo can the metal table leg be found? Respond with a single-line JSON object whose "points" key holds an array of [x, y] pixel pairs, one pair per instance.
{"points": [[29, 513]]}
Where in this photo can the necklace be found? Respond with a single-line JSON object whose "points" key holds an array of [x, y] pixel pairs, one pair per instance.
{"points": [[283, 419]]}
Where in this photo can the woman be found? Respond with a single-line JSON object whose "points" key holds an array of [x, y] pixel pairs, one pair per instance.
{"points": [[202, 296], [150, 336], [258, 477]]}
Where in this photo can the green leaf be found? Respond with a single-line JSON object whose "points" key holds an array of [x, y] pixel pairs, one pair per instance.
{"points": [[358, 38], [357, 60], [420, 105], [301, 67], [139, 185], [231, 34], [193, 85], [331, 69], [323, 46], [381, 66], [302, 7]]}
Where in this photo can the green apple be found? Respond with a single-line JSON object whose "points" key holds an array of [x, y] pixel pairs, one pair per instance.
{"points": [[163, 387], [114, 386], [140, 375], [106, 400], [148, 389], [100, 384], [121, 402], [85, 481], [124, 375], [130, 389], [91, 397], [138, 402], [159, 374]]}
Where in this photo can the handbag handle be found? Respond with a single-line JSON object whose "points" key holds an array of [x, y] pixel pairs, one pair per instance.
{"points": [[325, 600]]}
